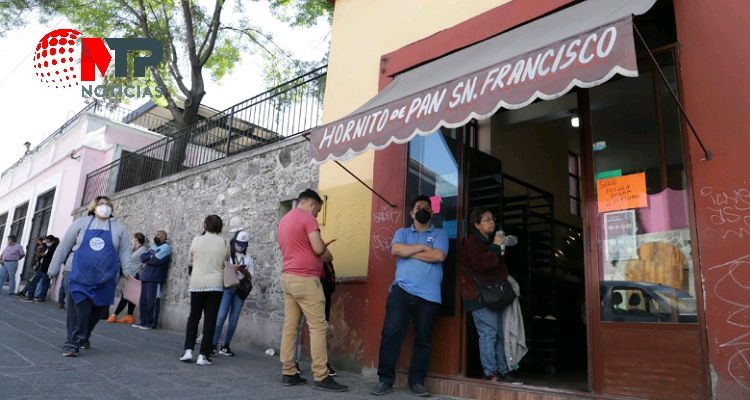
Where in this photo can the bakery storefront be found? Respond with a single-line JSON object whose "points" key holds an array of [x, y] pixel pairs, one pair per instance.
{"points": [[569, 127]]}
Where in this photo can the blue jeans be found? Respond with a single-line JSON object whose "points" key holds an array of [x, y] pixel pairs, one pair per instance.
{"points": [[231, 305], [38, 286], [489, 325], [399, 309], [8, 270]]}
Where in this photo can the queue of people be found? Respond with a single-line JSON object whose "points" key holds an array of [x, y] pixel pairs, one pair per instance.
{"points": [[97, 250]]}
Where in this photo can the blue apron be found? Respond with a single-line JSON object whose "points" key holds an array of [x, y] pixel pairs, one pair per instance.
{"points": [[95, 268]]}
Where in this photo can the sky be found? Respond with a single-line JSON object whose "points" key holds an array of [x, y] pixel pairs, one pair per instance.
{"points": [[30, 111]]}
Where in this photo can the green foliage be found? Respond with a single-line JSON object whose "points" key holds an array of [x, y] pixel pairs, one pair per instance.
{"points": [[302, 12]]}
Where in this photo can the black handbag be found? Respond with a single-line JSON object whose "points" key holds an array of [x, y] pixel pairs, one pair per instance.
{"points": [[244, 288], [496, 295]]}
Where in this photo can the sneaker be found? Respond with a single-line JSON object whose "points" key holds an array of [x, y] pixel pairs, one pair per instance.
{"points": [[419, 390], [86, 345], [381, 389], [214, 352], [296, 366], [226, 351], [112, 319], [293, 380], [187, 356], [26, 300], [331, 371], [508, 378], [128, 319], [39, 301], [145, 328], [203, 360], [70, 353], [330, 385]]}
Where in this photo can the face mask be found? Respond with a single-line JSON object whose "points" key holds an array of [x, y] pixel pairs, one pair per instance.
{"points": [[423, 216], [239, 249], [157, 241], [103, 210]]}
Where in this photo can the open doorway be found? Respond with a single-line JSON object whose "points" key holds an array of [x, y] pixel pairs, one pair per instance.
{"points": [[537, 151]]}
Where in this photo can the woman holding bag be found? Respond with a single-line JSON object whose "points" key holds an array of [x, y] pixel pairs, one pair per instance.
{"points": [[483, 262], [241, 265], [208, 253]]}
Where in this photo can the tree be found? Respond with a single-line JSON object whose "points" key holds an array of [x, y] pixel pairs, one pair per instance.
{"points": [[188, 31]]}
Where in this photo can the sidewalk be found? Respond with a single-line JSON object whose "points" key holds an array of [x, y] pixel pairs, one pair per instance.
{"points": [[127, 363]]}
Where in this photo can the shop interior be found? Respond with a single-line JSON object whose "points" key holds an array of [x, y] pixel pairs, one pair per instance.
{"points": [[526, 165]]}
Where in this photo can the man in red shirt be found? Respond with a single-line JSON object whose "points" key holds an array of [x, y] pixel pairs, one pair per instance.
{"points": [[303, 254]]}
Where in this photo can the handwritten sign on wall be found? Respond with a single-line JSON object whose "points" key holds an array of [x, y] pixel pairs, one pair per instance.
{"points": [[622, 192]]}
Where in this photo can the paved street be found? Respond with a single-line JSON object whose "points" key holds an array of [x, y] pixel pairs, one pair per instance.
{"points": [[126, 363]]}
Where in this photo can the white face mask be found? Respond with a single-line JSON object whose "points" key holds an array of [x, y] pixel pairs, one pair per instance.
{"points": [[103, 210]]}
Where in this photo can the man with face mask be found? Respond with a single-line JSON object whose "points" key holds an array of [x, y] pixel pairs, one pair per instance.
{"points": [[414, 294], [155, 264]]}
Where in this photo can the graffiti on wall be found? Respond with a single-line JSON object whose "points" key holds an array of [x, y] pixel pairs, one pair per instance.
{"points": [[733, 287], [385, 221], [728, 211]]}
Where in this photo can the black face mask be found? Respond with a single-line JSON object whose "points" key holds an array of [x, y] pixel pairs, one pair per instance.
{"points": [[157, 241], [423, 216]]}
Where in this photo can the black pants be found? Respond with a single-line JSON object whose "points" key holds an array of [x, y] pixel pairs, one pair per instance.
{"points": [[124, 303], [400, 308], [82, 318], [206, 303], [148, 303]]}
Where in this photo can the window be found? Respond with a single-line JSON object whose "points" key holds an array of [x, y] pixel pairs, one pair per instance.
{"points": [[574, 183], [19, 219], [433, 171], [3, 222], [643, 227], [39, 226]]}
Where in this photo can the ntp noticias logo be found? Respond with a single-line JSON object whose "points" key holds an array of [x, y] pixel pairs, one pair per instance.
{"points": [[64, 59]]}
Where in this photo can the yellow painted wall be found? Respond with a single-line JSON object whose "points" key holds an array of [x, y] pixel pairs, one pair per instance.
{"points": [[363, 31]]}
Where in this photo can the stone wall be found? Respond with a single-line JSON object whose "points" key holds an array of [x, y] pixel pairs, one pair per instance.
{"points": [[246, 190]]}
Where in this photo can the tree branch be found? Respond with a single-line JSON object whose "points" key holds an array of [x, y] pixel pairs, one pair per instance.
{"points": [[174, 67], [167, 95], [187, 15], [212, 34]]}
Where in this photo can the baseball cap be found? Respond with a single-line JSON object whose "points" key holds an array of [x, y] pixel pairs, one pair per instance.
{"points": [[242, 237]]}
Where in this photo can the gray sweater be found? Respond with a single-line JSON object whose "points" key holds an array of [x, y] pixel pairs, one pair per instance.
{"points": [[74, 236]]}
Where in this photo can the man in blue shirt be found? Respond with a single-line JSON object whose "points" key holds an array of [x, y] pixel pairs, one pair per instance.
{"points": [[414, 294], [155, 263]]}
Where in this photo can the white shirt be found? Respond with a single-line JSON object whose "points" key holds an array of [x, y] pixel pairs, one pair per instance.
{"points": [[244, 259]]}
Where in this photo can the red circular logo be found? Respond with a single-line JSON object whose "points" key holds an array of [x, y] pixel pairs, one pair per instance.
{"points": [[55, 56]]}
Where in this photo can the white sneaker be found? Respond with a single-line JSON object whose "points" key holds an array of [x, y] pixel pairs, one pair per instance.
{"points": [[187, 356], [203, 360]]}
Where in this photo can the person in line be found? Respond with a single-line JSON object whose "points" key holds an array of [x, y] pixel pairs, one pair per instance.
{"points": [[9, 258], [234, 298], [36, 290], [39, 251], [139, 247], [328, 281], [303, 253], [101, 248], [414, 295], [482, 257], [207, 255], [155, 264]]}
